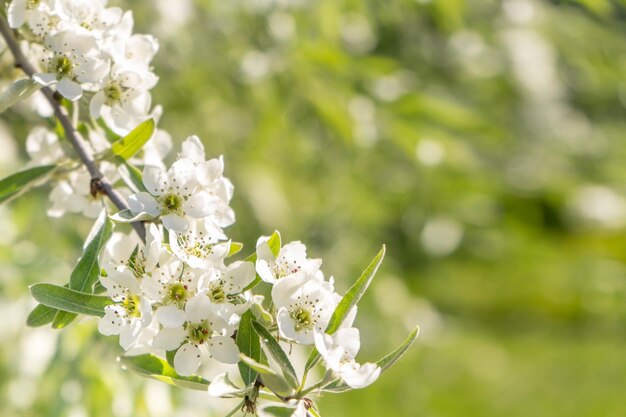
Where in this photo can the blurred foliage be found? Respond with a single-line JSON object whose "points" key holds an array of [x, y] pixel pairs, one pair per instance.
{"points": [[482, 141]]}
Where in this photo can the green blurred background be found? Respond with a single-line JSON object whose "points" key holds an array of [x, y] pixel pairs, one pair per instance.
{"points": [[482, 141]]}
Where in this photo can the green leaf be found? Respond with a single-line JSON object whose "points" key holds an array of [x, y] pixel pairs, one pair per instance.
{"points": [[277, 353], [18, 91], [223, 387], [151, 366], [384, 363], [276, 410], [274, 242], [41, 315], [132, 176], [130, 144], [87, 270], [235, 248], [259, 367], [354, 294], [352, 297], [15, 184], [248, 344], [389, 360], [69, 300]]}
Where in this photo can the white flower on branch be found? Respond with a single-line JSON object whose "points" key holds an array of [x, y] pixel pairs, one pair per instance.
{"points": [[73, 59], [131, 313], [305, 304], [339, 351], [203, 326], [290, 260]]}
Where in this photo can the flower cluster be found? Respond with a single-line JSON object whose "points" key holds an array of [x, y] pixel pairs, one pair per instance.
{"points": [[88, 51], [85, 46], [181, 294]]}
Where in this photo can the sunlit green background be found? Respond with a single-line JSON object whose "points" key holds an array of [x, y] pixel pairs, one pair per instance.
{"points": [[482, 141]]}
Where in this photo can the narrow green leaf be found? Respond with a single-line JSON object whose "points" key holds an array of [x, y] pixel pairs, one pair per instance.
{"points": [[248, 344], [132, 176], [19, 182], [259, 367], [389, 360], [63, 319], [354, 294], [41, 315], [348, 301], [18, 91], [274, 242], [131, 143], [69, 300], [151, 366], [276, 410], [277, 384], [277, 353], [87, 270], [235, 248]]}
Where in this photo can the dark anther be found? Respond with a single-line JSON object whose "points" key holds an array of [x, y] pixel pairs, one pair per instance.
{"points": [[95, 187]]}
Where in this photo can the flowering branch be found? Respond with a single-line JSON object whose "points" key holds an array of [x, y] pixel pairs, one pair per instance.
{"points": [[99, 183]]}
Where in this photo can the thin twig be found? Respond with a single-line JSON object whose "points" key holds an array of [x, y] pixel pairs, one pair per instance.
{"points": [[71, 134]]}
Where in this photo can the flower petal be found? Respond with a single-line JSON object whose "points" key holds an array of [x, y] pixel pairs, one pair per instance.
{"points": [[224, 349], [187, 359]]}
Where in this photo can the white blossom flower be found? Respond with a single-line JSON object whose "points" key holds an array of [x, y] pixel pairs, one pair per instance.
{"points": [[170, 287], [131, 313], [304, 304], [203, 326], [19, 10], [339, 351], [124, 101], [43, 146], [92, 15], [73, 59], [222, 284], [201, 246], [141, 259], [73, 194], [290, 260], [173, 195]]}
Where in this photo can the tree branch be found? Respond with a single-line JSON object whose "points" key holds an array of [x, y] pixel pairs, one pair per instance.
{"points": [[71, 134]]}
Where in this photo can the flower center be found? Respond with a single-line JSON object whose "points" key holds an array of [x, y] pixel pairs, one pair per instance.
{"points": [[113, 94], [62, 67], [303, 319], [178, 294], [172, 203], [131, 305], [217, 294], [199, 332]]}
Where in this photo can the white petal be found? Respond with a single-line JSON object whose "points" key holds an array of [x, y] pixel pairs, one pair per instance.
{"points": [[69, 89], [224, 349], [199, 205], [143, 203], [45, 79], [265, 272], [198, 308], [187, 359], [349, 339], [16, 13], [129, 334], [175, 222], [169, 339], [109, 324], [193, 149], [286, 325], [170, 316], [239, 274], [97, 101], [153, 179], [360, 376]]}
